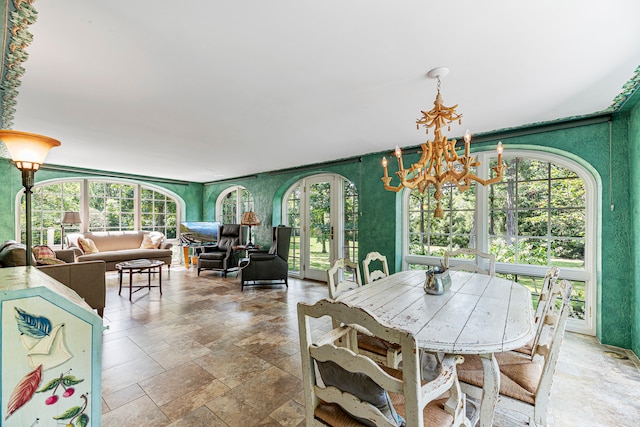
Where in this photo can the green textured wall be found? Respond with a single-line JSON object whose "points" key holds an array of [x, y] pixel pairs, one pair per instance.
{"points": [[12, 180], [618, 316], [634, 161], [380, 226]]}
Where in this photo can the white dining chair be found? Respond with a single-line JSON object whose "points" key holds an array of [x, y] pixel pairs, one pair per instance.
{"points": [[375, 274], [342, 388], [525, 382], [543, 307], [478, 265], [365, 343]]}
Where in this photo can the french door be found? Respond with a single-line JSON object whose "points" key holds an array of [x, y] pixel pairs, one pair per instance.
{"points": [[323, 230]]}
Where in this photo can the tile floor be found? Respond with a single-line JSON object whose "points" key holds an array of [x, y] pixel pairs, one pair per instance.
{"points": [[206, 354]]}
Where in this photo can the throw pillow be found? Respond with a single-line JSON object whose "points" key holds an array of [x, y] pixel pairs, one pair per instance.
{"points": [[361, 386], [43, 252], [152, 240], [87, 246]]}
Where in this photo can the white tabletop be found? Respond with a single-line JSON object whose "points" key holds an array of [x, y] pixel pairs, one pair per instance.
{"points": [[480, 314]]}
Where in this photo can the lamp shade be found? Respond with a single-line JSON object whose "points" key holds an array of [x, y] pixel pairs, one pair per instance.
{"points": [[27, 150], [250, 218], [71, 218]]}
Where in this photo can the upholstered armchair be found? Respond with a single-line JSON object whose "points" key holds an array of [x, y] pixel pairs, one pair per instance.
{"points": [[222, 257], [269, 267]]}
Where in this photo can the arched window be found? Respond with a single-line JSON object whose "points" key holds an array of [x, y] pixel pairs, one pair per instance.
{"points": [[232, 203], [104, 205], [542, 214]]}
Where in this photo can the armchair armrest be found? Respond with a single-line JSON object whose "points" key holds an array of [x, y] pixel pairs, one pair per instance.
{"points": [[68, 255], [166, 245]]}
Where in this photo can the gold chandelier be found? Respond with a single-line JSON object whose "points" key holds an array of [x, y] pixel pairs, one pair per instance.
{"points": [[439, 164]]}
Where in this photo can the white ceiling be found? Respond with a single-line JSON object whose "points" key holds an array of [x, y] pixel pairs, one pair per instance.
{"points": [[202, 90]]}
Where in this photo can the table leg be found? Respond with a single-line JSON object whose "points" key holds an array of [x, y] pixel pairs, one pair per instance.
{"points": [[160, 278], [491, 389], [185, 253], [120, 280], [130, 283], [149, 279]]}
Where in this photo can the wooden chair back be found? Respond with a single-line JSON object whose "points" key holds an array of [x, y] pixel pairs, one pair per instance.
{"points": [[477, 266], [371, 275], [334, 375], [337, 277]]}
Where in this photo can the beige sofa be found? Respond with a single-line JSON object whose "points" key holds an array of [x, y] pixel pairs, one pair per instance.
{"points": [[86, 279], [119, 246]]}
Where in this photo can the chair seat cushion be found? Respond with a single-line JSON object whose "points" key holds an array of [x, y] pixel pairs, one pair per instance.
{"points": [[519, 375], [376, 345], [213, 255]]}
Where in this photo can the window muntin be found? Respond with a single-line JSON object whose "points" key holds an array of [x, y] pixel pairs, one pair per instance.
{"points": [[350, 194], [108, 204]]}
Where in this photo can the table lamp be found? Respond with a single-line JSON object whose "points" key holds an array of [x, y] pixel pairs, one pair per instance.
{"points": [[70, 218], [28, 151], [250, 218]]}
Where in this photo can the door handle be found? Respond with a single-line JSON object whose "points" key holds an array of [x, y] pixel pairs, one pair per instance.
{"points": [[332, 232]]}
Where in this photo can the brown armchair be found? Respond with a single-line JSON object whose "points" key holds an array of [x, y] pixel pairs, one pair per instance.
{"points": [[222, 257], [269, 267]]}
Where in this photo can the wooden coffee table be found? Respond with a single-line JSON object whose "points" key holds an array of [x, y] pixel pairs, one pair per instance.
{"points": [[140, 266]]}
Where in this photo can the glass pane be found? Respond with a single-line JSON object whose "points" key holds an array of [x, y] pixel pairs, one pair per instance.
{"points": [[319, 226], [568, 193], [533, 251], [567, 253]]}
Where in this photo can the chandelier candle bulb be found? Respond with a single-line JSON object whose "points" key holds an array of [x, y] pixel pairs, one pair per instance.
{"points": [[467, 141], [384, 165], [500, 149]]}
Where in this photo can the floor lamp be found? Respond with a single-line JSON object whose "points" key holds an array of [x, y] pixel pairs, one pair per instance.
{"points": [[250, 218], [70, 218], [28, 151]]}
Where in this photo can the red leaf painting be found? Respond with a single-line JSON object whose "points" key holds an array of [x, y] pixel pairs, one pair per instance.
{"points": [[24, 390]]}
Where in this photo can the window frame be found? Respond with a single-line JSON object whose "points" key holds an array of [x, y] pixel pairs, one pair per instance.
{"points": [[84, 197], [587, 274], [241, 206]]}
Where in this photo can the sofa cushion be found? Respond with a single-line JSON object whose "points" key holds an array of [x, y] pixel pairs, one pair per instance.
{"points": [[43, 252], [152, 240], [87, 245]]}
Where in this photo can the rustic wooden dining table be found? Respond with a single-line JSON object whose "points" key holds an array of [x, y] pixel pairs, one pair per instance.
{"points": [[480, 315]]}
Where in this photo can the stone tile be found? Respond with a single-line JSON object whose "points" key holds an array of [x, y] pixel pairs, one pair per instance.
{"points": [[289, 415], [254, 400], [119, 351], [179, 352], [175, 382], [141, 412], [127, 374], [232, 365], [124, 396], [193, 399], [201, 417]]}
